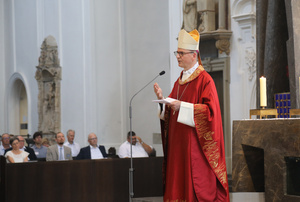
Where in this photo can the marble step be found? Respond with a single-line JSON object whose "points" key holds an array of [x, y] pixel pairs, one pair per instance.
{"points": [[234, 197]]}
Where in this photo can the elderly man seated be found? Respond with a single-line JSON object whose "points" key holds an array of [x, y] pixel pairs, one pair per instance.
{"points": [[5, 143], [93, 151]]}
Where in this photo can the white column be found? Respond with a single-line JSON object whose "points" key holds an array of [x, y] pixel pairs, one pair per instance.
{"points": [[175, 16]]}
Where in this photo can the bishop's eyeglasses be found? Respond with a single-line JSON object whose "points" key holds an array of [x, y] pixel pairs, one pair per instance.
{"points": [[180, 53]]}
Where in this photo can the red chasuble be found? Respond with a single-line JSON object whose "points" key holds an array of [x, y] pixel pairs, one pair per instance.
{"points": [[194, 157]]}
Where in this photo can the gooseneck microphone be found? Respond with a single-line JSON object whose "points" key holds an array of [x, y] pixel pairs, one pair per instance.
{"points": [[131, 194], [160, 74]]}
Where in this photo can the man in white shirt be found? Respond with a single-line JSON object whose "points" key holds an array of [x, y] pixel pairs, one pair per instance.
{"points": [[93, 151], [5, 143], [139, 148], [70, 143]]}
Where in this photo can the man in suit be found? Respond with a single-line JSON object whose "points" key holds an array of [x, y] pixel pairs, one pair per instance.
{"points": [[31, 156], [59, 152], [93, 151]]}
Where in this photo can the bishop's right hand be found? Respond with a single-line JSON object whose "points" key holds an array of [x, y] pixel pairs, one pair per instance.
{"points": [[158, 91]]}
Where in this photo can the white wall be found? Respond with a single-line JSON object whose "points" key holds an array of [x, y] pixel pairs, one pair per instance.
{"points": [[108, 50], [130, 49], [175, 24], [2, 67], [20, 53], [243, 61], [27, 24], [147, 53], [74, 31], [108, 70], [243, 73]]}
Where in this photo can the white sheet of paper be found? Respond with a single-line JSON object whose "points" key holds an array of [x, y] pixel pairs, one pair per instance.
{"points": [[167, 100]]}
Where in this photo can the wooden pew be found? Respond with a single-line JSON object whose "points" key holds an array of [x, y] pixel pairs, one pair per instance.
{"points": [[82, 180]]}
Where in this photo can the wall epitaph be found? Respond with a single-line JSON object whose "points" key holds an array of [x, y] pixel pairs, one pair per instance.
{"points": [[202, 15], [48, 76]]}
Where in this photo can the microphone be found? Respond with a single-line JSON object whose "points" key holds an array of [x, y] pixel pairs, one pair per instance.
{"points": [[162, 73], [131, 194]]}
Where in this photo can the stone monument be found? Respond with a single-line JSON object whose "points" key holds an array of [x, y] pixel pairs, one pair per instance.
{"points": [[210, 18], [206, 15], [48, 76], [189, 9], [198, 14]]}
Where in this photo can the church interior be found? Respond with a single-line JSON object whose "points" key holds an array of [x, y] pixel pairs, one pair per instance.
{"points": [[85, 65]]}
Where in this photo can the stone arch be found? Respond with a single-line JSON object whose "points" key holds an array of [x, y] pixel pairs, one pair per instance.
{"points": [[15, 89], [240, 7]]}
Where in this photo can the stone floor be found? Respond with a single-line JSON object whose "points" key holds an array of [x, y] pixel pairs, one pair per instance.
{"points": [[148, 199], [234, 197]]}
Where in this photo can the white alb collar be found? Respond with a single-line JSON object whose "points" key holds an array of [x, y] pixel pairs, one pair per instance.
{"points": [[186, 74]]}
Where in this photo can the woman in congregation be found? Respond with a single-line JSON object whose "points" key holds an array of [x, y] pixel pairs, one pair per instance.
{"points": [[16, 155], [45, 142]]}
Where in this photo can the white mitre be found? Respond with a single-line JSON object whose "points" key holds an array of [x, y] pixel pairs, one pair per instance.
{"points": [[189, 41]]}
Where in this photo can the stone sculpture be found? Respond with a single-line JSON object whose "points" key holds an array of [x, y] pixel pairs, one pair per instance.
{"points": [[48, 76]]}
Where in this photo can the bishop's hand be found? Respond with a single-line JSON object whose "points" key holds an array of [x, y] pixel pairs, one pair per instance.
{"points": [[175, 105], [158, 91]]}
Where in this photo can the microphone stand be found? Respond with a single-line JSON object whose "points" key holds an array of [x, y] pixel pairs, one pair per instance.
{"points": [[131, 169]]}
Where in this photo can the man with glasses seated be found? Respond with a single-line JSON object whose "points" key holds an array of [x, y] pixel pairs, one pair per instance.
{"points": [[93, 151], [5, 143]]}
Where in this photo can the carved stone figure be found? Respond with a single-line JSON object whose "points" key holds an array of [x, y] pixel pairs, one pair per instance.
{"points": [[48, 76], [49, 55], [223, 46], [198, 14], [189, 15], [49, 107]]}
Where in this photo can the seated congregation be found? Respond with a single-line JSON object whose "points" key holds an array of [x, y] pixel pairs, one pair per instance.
{"points": [[14, 150]]}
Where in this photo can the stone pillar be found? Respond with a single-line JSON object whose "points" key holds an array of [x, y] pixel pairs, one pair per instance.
{"points": [[206, 15], [48, 76], [272, 35], [293, 47], [222, 15]]}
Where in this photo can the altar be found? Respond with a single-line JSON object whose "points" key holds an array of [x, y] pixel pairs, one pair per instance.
{"points": [[260, 152]]}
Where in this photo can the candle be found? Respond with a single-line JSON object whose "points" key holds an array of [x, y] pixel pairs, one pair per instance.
{"points": [[263, 91]]}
